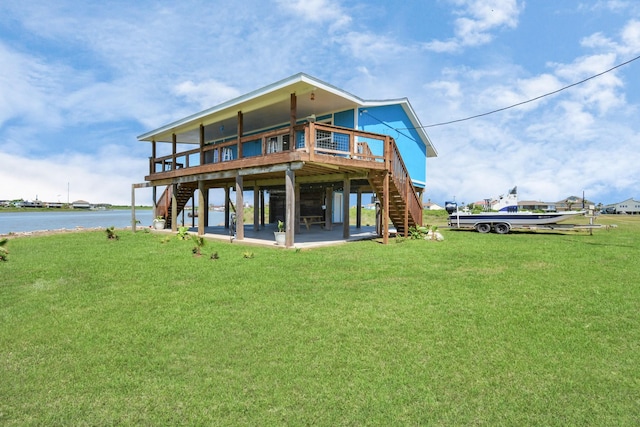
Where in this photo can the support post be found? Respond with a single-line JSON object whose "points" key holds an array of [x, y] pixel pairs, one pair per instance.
{"points": [[290, 203], [152, 163], [201, 144], [292, 121], [256, 208], [174, 150], [239, 209], [206, 207], [174, 208], [202, 208], [154, 196], [133, 208], [406, 207], [262, 223], [240, 131], [328, 217], [297, 229], [421, 197], [359, 209], [311, 140], [346, 192], [385, 209], [227, 206]]}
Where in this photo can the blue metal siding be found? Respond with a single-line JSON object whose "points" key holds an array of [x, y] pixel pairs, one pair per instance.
{"points": [[252, 148], [344, 119], [393, 121]]}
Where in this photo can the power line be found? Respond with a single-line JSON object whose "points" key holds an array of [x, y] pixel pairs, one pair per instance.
{"points": [[529, 100]]}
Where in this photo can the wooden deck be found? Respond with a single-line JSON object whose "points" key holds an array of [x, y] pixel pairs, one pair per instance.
{"points": [[337, 153], [288, 157]]}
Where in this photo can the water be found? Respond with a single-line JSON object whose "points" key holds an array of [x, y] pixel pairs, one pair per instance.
{"points": [[17, 222]]}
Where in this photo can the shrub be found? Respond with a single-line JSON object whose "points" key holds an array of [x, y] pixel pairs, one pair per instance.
{"points": [[3, 251], [111, 233]]}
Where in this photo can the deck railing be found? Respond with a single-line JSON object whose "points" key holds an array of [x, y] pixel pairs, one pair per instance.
{"points": [[313, 138]]}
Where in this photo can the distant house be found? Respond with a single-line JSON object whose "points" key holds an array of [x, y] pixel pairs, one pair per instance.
{"points": [[430, 206], [81, 204], [573, 203], [32, 204], [629, 207]]}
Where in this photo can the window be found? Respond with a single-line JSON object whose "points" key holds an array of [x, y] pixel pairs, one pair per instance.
{"points": [[275, 144]]}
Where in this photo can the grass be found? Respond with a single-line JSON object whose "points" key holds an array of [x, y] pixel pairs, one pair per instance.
{"points": [[520, 329]]}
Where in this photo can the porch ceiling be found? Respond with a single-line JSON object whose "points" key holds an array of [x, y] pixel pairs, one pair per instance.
{"points": [[260, 112]]}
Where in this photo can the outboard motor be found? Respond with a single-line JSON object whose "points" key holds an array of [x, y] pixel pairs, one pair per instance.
{"points": [[450, 207]]}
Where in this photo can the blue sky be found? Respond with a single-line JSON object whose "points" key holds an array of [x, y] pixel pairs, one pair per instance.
{"points": [[81, 80]]}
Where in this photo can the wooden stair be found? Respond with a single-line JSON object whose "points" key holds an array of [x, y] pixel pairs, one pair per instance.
{"points": [[183, 195], [405, 209]]}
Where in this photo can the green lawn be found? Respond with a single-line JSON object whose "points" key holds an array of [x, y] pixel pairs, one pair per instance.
{"points": [[481, 329]]}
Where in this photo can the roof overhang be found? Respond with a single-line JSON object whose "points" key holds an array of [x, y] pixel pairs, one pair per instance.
{"points": [[270, 106]]}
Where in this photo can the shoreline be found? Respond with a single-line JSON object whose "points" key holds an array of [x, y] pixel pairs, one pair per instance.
{"points": [[39, 233], [26, 210]]}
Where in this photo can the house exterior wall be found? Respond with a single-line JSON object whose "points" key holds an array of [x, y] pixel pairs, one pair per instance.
{"points": [[629, 206], [392, 120], [345, 119]]}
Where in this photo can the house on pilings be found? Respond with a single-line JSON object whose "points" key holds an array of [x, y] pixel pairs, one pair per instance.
{"points": [[303, 145]]}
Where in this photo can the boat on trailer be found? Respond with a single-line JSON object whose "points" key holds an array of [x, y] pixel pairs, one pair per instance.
{"points": [[506, 216], [503, 221]]}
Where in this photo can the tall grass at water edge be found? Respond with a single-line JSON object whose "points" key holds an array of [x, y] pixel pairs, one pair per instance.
{"points": [[481, 329]]}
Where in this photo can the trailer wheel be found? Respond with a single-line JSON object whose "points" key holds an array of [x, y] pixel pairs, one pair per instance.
{"points": [[502, 228], [483, 228]]}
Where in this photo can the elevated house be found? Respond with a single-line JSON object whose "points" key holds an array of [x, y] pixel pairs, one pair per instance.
{"points": [[629, 206], [303, 145]]}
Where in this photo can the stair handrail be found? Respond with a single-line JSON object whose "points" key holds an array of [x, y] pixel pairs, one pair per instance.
{"points": [[162, 206], [401, 178]]}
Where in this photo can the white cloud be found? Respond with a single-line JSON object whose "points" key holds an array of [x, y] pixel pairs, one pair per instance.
{"points": [[318, 11], [205, 93], [371, 47], [600, 92], [617, 6], [478, 19], [29, 89], [631, 38]]}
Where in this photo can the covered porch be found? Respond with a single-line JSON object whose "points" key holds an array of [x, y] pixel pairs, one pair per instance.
{"points": [[306, 239]]}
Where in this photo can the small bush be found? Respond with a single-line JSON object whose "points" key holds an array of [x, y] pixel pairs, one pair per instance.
{"points": [[183, 233], [111, 233], [198, 244], [3, 251]]}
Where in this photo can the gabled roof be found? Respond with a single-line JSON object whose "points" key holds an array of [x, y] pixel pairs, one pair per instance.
{"points": [[629, 200], [270, 105]]}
